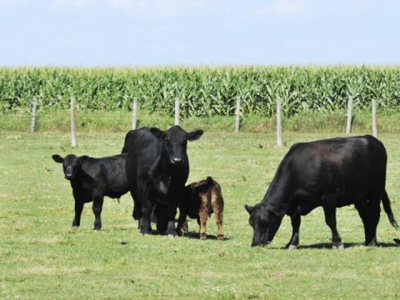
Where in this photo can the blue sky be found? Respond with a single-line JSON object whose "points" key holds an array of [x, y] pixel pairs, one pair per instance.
{"points": [[108, 33]]}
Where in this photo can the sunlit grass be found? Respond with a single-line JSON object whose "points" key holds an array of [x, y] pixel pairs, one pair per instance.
{"points": [[43, 257]]}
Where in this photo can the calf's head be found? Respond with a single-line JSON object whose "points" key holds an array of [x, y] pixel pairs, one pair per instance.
{"points": [[175, 143], [71, 165], [265, 224]]}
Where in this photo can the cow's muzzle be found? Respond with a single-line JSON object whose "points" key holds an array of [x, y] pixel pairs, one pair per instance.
{"points": [[177, 160], [69, 174]]}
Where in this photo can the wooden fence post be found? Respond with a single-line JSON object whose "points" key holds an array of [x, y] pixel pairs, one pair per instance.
{"points": [[374, 123], [73, 123], [237, 113], [33, 117], [177, 111], [279, 123], [349, 114], [134, 113]]}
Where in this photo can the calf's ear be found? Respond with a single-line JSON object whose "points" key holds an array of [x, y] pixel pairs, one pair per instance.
{"points": [[249, 208], [57, 158], [194, 135]]}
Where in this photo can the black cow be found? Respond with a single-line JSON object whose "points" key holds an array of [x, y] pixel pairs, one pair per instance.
{"points": [[93, 178], [157, 167], [329, 173]]}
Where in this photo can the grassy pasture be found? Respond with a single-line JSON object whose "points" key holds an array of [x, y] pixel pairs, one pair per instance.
{"points": [[43, 257]]}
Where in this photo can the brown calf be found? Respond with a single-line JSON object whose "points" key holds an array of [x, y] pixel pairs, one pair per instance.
{"points": [[201, 200]]}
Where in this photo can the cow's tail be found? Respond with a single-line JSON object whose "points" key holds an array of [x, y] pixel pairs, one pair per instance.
{"points": [[388, 210]]}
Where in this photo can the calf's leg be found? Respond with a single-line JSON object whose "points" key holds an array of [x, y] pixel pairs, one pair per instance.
{"points": [[203, 216], [218, 208], [182, 223], [78, 212], [97, 208]]}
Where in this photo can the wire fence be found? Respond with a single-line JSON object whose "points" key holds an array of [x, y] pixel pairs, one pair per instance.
{"points": [[236, 121]]}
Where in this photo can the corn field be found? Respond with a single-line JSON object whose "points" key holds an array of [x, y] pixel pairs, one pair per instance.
{"points": [[203, 91]]}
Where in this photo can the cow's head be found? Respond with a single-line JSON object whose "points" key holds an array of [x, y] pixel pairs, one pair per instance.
{"points": [[175, 142], [265, 224], [71, 164]]}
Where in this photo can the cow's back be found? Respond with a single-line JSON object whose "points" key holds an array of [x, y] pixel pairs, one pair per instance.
{"points": [[143, 154], [350, 167], [108, 174], [131, 138], [117, 182]]}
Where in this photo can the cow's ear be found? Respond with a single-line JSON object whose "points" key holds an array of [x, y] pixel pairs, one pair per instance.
{"points": [[249, 208], [194, 135], [157, 132], [57, 158]]}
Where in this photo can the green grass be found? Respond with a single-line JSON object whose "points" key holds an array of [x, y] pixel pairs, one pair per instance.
{"points": [[43, 257]]}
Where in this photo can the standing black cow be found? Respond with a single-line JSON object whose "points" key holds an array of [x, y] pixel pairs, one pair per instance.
{"points": [[93, 178], [329, 173], [157, 167]]}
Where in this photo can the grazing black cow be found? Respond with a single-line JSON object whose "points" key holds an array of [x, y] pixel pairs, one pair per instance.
{"points": [[157, 167], [93, 178], [201, 199], [329, 173]]}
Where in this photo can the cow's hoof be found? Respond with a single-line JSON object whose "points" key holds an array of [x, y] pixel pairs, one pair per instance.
{"points": [[220, 237], [203, 236], [185, 227], [292, 247], [338, 246], [373, 242]]}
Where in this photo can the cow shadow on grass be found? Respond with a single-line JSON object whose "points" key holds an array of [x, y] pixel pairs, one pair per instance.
{"points": [[346, 245], [195, 235], [190, 235]]}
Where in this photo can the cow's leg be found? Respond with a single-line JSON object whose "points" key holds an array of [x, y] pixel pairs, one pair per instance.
{"points": [[78, 212], [218, 208], [370, 214], [143, 207], [97, 208], [295, 239], [162, 217], [144, 222], [203, 216], [171, 211], [329, 206], [137, 209]]}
